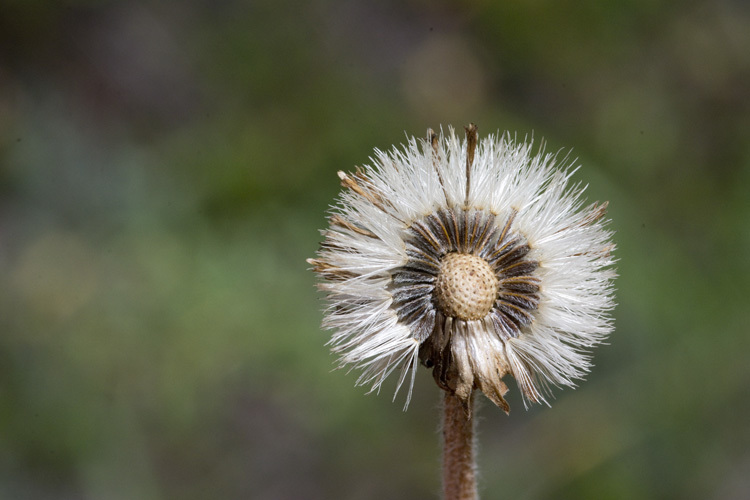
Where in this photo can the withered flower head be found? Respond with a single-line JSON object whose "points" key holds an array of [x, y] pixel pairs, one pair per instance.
{"points": [[476, 259]]}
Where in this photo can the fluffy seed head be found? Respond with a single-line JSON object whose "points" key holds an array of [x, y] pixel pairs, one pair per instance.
{"points": [[475, 258]]}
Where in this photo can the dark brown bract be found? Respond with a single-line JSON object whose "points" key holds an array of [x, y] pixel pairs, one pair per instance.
{"points": [[456, 258]]}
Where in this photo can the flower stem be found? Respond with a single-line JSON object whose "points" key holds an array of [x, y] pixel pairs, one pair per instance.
{"points": [[459, 481]]}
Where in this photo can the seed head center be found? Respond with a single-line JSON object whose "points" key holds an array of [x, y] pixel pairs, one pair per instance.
{"points": [[466, 287]]}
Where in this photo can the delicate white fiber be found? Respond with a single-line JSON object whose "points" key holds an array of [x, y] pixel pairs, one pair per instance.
{"points": [[551, 251]]}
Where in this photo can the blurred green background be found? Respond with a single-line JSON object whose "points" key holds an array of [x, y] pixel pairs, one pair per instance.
{"points": [[165, 168]]}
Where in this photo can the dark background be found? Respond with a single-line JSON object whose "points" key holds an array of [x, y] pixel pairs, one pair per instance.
{"points": [[165, 168]]}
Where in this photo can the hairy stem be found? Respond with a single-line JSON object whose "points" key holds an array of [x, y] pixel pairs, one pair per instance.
{"points": [[459, 481]]}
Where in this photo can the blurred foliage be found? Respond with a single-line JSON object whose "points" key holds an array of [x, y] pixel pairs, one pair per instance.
{"points": [[165, 167]]}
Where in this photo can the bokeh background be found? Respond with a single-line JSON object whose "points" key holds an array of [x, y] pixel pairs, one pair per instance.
{"points": [[165, 168]]}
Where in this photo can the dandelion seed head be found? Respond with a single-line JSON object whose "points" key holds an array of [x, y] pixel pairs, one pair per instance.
{"points": [[476, 259]]}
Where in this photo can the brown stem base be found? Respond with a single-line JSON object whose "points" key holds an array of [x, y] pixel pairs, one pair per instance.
{"points": [[459, 480]]}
